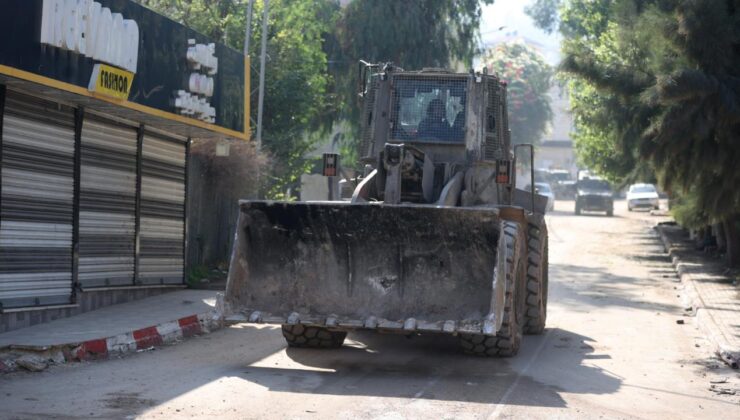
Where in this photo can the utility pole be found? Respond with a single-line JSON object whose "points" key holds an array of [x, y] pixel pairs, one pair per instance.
{"points": [[263, 57], [248, 71], [248, 28]]}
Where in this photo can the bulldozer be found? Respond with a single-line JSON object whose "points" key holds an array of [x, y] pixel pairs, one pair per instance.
{"points": [[435, 237]]}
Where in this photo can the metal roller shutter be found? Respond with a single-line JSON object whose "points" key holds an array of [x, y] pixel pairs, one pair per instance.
{"points": [[162, 211], [36, 202], [107, 204]]}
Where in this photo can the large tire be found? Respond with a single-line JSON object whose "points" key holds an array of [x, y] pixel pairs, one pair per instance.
{"points": [[537, 280], [508, 339], [578, 209], [298, 335]]}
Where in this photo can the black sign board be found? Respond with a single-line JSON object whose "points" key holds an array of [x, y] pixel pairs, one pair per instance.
{"points": [[161, 71]]}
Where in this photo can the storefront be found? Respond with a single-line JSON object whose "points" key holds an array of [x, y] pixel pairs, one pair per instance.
{"points": [[99, 101]]}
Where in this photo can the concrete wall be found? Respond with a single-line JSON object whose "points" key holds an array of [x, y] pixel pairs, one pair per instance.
{"points": [[215, 186]]}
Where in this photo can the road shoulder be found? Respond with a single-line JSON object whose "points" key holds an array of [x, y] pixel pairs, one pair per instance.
{"points": [[713, 296]]}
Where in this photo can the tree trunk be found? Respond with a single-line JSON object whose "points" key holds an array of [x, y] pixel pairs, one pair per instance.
{"points": [[699, 238], [718, 231], [732, 237]]}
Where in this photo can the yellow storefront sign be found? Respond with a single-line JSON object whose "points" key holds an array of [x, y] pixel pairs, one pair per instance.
{"points": [[111, 81]]}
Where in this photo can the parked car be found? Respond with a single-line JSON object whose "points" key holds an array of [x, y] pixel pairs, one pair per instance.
{"points": [[543, 188], [643, 196], [594, 194]]}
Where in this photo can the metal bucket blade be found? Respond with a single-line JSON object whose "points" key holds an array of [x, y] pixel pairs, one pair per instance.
{"points": [[368, 266]]}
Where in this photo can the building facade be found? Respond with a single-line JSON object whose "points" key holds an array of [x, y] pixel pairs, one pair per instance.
{"points": [[99, 101]]}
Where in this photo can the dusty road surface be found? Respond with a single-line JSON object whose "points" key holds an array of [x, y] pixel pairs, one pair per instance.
{"points": [[613, 349]]}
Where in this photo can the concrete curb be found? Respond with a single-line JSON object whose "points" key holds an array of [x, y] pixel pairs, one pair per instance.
{"points": [[105, 347], [692, 298]]}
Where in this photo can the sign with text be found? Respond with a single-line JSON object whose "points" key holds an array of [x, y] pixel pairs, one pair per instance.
{"points": [[111, 81], [88, 28], [100, 45]]}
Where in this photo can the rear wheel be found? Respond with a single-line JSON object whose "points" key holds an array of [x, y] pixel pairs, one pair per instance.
{"points": [[536, 301], [610, 212], [508, 338], [578, 209], [298, 335]]}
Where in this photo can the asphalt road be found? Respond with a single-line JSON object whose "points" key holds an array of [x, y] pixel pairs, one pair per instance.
{"points": [[613, 349]]}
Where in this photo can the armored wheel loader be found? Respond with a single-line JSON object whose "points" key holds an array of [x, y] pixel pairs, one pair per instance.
{"points": [[435, 238]]}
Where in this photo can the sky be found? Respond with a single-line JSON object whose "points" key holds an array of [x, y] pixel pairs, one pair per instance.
{"points": [[510, 15]]}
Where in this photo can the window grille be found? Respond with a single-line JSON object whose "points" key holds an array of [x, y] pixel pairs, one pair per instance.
{"points": [[429, 109], [494, 148]]}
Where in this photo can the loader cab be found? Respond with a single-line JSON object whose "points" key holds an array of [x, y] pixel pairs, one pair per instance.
{"points": [[456, 117], [422, 130], [428, 110]]}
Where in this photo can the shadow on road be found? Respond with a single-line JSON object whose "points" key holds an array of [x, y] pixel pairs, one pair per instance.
{"points": [[431, 367], [591, 287]]}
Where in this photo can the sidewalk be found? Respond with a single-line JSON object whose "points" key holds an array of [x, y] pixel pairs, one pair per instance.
{"points": [[116, 329], [713, 297]]}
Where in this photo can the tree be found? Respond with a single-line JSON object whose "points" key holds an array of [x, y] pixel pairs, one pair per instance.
{"points": [[544, 13], [529, 80], [656, 85], [297, 100], [412, 34]]}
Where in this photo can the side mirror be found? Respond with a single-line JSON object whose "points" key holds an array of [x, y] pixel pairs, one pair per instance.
{"points": [[363, 67]]}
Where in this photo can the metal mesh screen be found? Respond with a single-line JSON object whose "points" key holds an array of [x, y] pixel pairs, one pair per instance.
{"points": [[429, 108], [505, 117], [494, 148], [366, 145]]}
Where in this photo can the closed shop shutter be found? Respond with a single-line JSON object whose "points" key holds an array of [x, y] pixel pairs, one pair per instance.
{"points": [[107, 203], [162, 211], [36, 202]]}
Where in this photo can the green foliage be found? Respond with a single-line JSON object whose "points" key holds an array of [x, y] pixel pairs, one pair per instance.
{"points": [[655, 87], [297, 82], [313, 49], [687, 211], [196, 274], [412, 34], [529, 78], [544, 13]]}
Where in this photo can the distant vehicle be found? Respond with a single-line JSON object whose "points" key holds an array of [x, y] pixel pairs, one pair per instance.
{"points": [[566, 190], [542, 175], [559, 175], [562, 184], [642, 196], [594, 194]]}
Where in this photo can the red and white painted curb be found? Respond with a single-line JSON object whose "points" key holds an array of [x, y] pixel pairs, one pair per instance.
{"points": [[138, 340], [145, 338]]}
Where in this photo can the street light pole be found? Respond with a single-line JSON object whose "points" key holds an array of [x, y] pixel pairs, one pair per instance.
{"points": [[263, 56], [248, 28]]}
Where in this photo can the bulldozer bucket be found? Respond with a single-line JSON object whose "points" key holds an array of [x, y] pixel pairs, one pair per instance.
{"points": [[367, 266]]}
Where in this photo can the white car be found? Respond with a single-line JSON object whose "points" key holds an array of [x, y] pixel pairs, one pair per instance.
{"points": [[642, 196], [543, 188]]}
